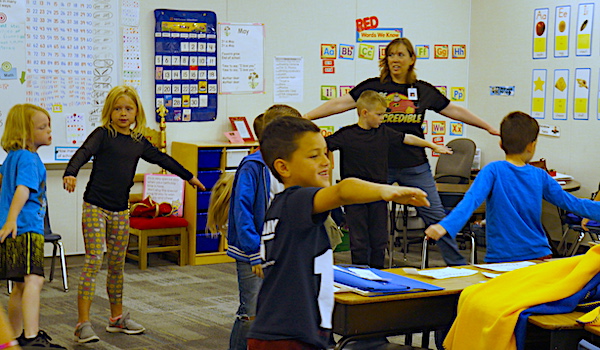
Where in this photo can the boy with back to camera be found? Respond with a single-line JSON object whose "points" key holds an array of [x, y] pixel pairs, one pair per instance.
{"points": [[295, 302], [364, 154], [513, 191]]}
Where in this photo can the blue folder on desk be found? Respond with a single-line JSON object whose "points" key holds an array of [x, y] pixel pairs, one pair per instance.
{"points": [[393, 283]]}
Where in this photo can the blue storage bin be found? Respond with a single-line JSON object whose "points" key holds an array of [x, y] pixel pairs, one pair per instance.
{"points": [[209, 177], [209, 158], [205, 243], [203, 199], [201, 222]]}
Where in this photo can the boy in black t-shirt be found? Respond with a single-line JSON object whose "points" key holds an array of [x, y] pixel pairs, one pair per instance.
{"points": [[364, 154], [295, 302]]}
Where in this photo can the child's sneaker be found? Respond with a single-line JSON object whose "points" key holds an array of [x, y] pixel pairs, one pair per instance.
{"points": [[41, 340], [125, 325], [84, 333]]}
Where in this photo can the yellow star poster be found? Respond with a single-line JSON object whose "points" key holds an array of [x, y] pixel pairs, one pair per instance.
{"points": [[538, 93]]}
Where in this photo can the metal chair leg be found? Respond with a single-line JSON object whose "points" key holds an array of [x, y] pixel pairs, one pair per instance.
{"points": [[392, 234], [54, 247], [63, 266], [424, 254], [405, 230], [9, 285], [473, 249]]}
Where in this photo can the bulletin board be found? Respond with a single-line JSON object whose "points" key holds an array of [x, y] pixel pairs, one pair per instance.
{"points": [[59, 55], [186, 65]]}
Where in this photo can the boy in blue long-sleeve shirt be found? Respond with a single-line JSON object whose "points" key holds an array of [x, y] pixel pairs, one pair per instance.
{"points": [[513, 191]]}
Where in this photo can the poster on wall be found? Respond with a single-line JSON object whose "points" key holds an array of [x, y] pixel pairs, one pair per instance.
{"points": [[561, 91], [63, 56], [581, 95], [185, 60], [540, 33], [241, 70], [598, 100], [585, 23], [562, 24], [538, 93], [288, 79]]}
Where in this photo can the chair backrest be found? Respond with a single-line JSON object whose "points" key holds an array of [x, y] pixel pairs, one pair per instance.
{"points": [[553, 226], [47, 228], [456, 167]]}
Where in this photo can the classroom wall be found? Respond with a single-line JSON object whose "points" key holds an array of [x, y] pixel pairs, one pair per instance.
{"points": [[498, 35], [296, 28], [501, 54]]}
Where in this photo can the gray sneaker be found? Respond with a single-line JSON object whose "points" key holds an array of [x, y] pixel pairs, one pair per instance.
{"points": [[84, 333], [125, 325]]}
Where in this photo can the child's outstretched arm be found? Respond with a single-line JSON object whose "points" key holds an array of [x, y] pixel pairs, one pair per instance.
{"points": [[419, 142], [18, 201], [435, 231], [355, 191], [196, 183]]}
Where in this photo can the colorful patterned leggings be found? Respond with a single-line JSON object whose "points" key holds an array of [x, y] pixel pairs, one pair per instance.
{"points": [[101, 226]]}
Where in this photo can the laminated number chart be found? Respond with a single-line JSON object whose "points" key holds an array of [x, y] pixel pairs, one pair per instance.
{"points": [[185, 63]]}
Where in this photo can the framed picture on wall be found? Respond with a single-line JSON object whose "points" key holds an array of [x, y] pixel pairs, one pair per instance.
{"points": [[240, 124]]}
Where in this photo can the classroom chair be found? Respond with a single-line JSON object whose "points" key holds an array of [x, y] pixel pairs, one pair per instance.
{"points": [[454, 168], [560, 226], [586, 345], [160, 234], [57, 247]]}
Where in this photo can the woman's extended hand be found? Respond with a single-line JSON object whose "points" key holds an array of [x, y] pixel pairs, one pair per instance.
{"points": [[69, 183]]}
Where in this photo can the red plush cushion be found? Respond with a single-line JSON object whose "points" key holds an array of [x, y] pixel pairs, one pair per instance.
{"points": [[155, 223]]}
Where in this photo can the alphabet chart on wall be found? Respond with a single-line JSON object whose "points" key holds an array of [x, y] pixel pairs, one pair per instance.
{"points": [[186, 64]]}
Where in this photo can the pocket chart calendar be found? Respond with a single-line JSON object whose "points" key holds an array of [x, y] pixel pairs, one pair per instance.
{"points": [[185, 60]]}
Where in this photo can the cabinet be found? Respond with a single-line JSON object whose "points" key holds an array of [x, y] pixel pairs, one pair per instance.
{"points": [[208, 161]]}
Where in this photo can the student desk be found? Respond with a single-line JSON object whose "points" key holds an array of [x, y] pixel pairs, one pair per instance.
{"points": [[558, 331], [356, 316]]}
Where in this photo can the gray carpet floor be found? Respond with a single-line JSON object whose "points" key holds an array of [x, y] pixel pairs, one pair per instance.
{"points": [[182, 307]]}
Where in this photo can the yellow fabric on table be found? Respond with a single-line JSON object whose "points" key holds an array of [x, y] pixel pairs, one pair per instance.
{"points": [[488, 312]]}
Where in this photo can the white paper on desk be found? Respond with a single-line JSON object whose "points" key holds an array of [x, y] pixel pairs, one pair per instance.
{"points": [[563, 177], [362, 273], [447, 272], [491, 275], [505, 267], [366, 274]]}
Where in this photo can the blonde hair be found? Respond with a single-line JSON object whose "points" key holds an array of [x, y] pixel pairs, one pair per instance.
{"points": [[384, 68], [370, 100], [140, 119], [19, 127], [218, 205]]}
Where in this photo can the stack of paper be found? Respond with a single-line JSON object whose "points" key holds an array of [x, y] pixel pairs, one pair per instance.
{"points": [[562, 177], [447, 272], [505, 267]]}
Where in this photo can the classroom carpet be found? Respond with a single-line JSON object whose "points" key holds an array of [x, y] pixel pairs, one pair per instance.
{"points": [[182, 307]]}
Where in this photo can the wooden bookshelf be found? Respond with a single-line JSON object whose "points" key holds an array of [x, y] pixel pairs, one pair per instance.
{"points": [[187, 155]]}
